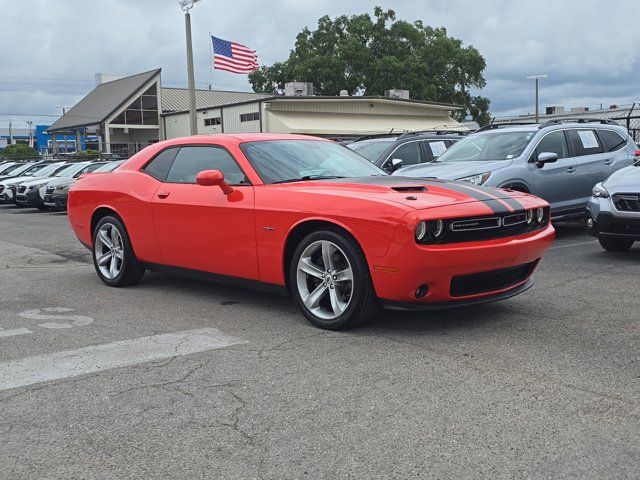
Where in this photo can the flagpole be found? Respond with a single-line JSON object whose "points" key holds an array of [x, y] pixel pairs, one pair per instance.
{"points": [[211, 59]]}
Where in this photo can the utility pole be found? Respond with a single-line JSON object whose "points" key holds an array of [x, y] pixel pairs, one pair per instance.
{"points": [[10, 133], [187, 5], [30, 123], [537, 78]]}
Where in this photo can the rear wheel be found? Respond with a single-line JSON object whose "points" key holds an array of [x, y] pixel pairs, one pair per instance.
{"points": [[113, 256], [330, 281], [613, 245]]}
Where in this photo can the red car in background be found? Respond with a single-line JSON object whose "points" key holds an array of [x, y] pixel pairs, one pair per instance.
{"points": [[308, 216]]}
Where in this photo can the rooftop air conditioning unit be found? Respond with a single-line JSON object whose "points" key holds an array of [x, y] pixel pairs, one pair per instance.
{"points": [[579, 109], [395, 93], [298, 89], [555, 109]]}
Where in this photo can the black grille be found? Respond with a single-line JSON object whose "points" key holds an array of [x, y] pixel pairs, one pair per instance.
{"points": [[483, 282], [627, 202], [1, 188], [485, 228], [50, 190], [22, 189]]}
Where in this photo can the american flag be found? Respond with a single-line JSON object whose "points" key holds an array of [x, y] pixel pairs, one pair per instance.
{"points": [[233, 57]]}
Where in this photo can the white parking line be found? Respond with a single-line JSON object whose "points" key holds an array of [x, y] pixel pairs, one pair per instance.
{"points": [[573, 245], [71, 363]]}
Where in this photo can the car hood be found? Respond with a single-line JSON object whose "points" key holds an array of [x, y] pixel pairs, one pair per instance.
{"points": [[61, 181], [410, 192], [626, 179], [35, 181], [14, 180], [450, 170]]}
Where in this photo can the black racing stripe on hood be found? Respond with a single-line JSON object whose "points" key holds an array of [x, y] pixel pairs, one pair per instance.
{"points": [[496, 205], [512, 202], [379, 180]]}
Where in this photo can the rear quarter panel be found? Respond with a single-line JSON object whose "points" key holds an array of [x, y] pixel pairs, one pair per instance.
{"points": [[126, 192]]}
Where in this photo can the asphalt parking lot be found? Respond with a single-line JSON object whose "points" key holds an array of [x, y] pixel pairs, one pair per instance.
{"points": [[175, 378]]}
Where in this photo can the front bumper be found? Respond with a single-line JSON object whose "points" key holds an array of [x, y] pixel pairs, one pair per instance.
{"points": [[398, 277], [605, 221], [7, 195], [54, 200], [30, 198]]}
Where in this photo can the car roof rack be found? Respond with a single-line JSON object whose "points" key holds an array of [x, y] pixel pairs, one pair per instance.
{"points": [[559, 121], [434, 132], [494, 126], [390, 133]]}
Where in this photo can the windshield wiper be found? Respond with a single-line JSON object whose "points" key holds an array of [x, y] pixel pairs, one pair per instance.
{"points": [[308, 177]]}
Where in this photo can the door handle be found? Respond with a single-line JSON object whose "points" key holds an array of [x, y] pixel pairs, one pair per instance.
{"points": [[163, 194], [608, 161], [571, 169]]}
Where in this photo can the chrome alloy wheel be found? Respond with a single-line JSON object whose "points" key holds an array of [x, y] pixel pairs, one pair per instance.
{"points": [[108, 251], [325, 279]]}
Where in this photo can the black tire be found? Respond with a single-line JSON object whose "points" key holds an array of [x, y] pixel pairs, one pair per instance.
{"points": [[363, 302], [131, 270], [42, 208], [613, 245]]}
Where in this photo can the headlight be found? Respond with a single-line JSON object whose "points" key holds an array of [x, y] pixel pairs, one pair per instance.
{"points": [[599, 191], [477, 179], [529, 216], [62, 187], [421, 231], [539, 214], [437, 228]]}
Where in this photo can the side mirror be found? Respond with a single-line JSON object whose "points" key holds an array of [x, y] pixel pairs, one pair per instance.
{"points": [[208, 178], [546, 157], [396, 163]]}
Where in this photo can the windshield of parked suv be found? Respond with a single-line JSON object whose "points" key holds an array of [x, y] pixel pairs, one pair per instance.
{"points": [[19, 169], [279, 161], [71, 170], [50, 170], [109, 167], [34, 170], [6, 169], [489, 146], [371, 149]]}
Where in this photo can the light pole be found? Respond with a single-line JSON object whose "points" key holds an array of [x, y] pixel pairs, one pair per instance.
{"points": [[537, 78], [187, 5], [30, 123]]}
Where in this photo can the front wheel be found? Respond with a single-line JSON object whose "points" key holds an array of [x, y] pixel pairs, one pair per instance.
{"points": [[613, 245], [330, 281], [113, 256]]}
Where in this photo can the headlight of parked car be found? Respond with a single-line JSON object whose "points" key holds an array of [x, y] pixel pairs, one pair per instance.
{"points": [[60, 188], [477, 179], [599, 191]]}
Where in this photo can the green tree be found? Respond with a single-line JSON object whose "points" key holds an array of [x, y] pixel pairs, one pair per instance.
{"points": [[19, 150], [366, 55]]}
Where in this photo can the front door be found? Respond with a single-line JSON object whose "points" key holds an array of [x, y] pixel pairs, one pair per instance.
{"points": [[555, 182], [201, 228]]}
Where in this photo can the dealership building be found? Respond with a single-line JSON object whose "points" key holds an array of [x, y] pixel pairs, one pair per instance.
{"points": [[127, 114]]}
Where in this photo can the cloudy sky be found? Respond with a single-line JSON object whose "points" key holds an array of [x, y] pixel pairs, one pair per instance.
{"points": [[51, 50]]}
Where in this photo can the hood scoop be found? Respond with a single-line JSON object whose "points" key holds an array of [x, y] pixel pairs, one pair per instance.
{"points": [[410, 188]]}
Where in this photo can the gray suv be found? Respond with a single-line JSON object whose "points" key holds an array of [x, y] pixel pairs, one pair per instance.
{"points": [[613, 213], [557, 160]]}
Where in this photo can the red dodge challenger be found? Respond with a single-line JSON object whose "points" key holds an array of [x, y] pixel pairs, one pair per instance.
{"points": [[307, 216]]}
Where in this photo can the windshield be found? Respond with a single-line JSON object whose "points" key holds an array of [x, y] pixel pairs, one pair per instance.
{"points": [[488, 146], [109, 167], [371, 149], [19, 169], [34, 169], [71, 170], [6, 169], [49, 170], [278, 161]]}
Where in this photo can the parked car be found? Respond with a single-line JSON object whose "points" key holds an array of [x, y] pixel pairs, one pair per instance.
{"points": [[392, 151], [54, 193], [25, 171], [557, 161], [9, 186], [613, 213], [8, 167], [304, 215], [31, 193]]}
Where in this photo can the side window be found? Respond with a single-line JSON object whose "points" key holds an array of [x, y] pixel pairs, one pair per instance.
{"points": [[612, 141], [192, 160], [409, 153], [554, 142], [584, 142], [435, 148], [159, 167]]}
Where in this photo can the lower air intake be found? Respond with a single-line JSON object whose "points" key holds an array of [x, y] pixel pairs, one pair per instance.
{"points": [[491, 281]]}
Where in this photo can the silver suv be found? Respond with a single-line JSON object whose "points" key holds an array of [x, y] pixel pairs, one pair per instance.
{"points": [[555, 160]]}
